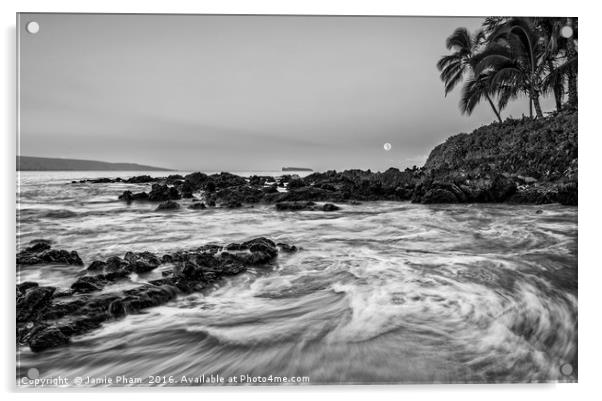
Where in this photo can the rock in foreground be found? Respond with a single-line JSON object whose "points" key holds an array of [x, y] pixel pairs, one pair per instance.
{"points": [[47, 317], [41, 252]]}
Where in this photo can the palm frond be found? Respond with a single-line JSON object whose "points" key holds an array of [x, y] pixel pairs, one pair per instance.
{"points": [[444, 61], [459, 40]]}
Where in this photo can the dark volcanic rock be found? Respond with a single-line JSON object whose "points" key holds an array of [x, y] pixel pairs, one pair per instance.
{"points": [[47, 318], [38, 247], [568, 194], [286, 247], [42, 253], [41, 241], [209, 186], [295, 206], [270, 189], [187, 189], [161, 193], [286, 178], [128, 196], [197, 205], [225, 180], [24, 286], [501, 189], [308, 193], [168, 205], [86, 323], [236, 247], [295, 183], [262, 244], [141, 179], [196, 180], [103, 180], [49, 337], [34, 299], [496, 189], [392, 184], [232, 204], [87, 284], [438, 195], [261, 180], [115, 263], [309, 205], [239, 194], [97, 265], [329, 207], [174, 178], [146, 296], [535, 194], [142, 262]]}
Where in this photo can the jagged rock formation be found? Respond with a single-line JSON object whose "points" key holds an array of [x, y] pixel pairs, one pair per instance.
{"points": [[47, 316], [520, 161]]}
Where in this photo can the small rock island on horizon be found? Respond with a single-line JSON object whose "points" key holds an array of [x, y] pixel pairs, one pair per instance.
{"points": [[296, 169]]}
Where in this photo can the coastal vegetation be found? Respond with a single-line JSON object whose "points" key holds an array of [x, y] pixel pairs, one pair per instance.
{"points": [[512, 57]]}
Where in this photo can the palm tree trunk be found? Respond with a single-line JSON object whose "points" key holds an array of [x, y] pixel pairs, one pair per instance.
{"points": [[558, 99], [497, 114], [572, 88], [530, 107], [556, 88], [535, 99], [572, 75]]}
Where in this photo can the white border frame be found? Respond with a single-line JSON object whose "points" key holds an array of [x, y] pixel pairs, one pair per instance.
{"points": [[590, 144]]}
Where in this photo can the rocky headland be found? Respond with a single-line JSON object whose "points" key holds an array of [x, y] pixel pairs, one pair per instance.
{"points": [[517, 161], [521, 161]]}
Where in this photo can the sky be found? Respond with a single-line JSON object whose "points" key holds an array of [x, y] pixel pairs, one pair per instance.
{"points": [[240, 93]]}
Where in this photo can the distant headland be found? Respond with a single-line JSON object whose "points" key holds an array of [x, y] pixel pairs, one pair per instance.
{"points": [[296, 169], [30, 163]]}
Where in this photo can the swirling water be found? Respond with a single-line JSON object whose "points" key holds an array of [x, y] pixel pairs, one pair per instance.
{"points": [[381, 292]]}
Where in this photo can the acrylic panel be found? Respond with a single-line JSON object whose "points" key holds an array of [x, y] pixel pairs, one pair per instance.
{"points": [[295, 200]]}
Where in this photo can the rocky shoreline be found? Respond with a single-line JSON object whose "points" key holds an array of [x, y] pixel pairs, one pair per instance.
{"points": [[517, 161], [47, 317], [350, 186]]}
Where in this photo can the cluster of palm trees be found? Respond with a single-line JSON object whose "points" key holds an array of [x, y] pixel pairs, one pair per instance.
{"points": [[512, 57]]}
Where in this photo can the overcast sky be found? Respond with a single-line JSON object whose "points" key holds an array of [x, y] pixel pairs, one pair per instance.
{"points": [[240, 92]]}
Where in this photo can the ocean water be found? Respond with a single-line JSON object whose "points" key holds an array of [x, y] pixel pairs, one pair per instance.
{"points": [[380, 292]]}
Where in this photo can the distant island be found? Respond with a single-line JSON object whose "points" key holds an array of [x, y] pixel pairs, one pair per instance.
{"points": [[30, 163], [296, 169]]}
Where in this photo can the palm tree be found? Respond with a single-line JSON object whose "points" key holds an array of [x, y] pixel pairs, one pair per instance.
{"points": [[514, 58], [455, 66], [564, 72], [554, 44], [572, 61], [474, 90]]}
